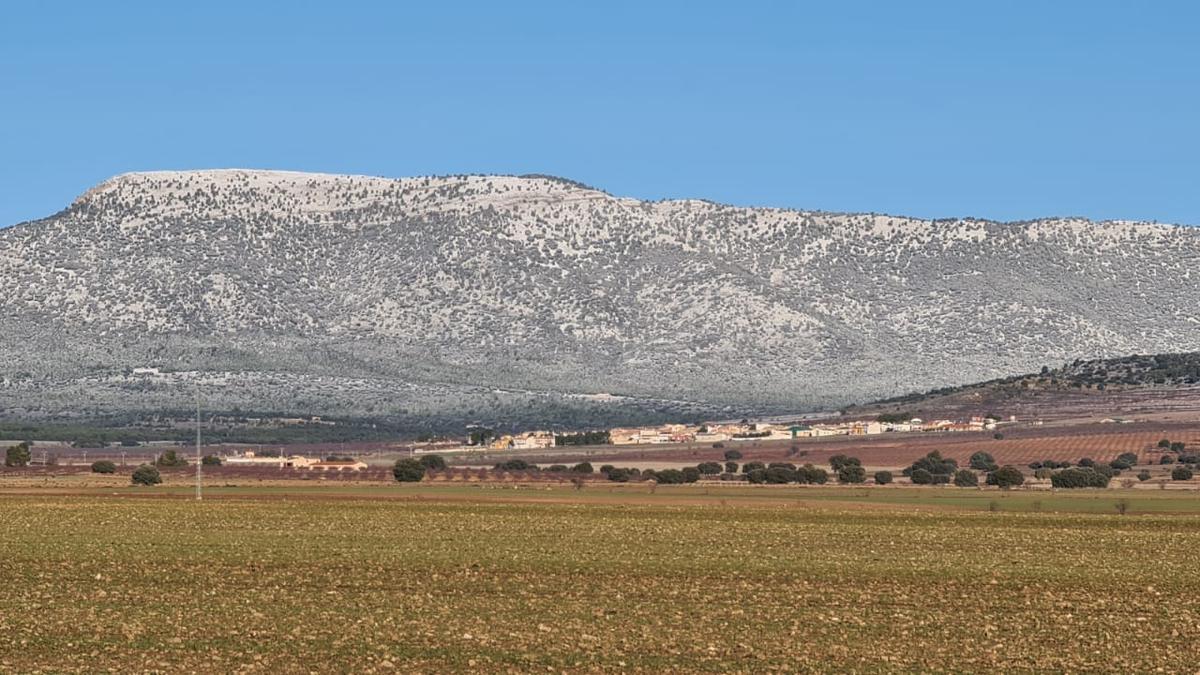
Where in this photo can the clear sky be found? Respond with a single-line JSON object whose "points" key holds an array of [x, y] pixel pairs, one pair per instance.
{"points": [[1005, 110]]}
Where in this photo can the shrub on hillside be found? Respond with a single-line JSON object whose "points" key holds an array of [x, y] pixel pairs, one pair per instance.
{"points": [[104, 466], [709, 468], [966, 478], [1143, 475], [1181, 473], [146, 475], [408, 470], [1166, 459], [883, 477]]}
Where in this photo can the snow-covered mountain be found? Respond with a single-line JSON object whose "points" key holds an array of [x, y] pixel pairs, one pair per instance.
{"points": [[536, 299]]}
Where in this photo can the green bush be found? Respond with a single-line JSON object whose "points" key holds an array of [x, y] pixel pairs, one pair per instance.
{"points": [[670, 477], [583, 467], [757, 476], [731, 455], [777, 475], [966, 478], [433, 462], [1079, 477], [691, 474], [516, 465], [1006, 477], [171, 459], [1042, 474], [731, 467], [17, 455], [1143, 475], [408, 470], [852, 473], [146, 475], [752, 466], [982, 461], [709, 468], [838, 462], [883, 477], [934, 465], [210, 460], [814, 475], [921, 477], [104, 466], [1181, 473]]}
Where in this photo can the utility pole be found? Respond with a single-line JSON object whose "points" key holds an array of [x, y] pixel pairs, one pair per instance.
{"points": [[199, 459]]}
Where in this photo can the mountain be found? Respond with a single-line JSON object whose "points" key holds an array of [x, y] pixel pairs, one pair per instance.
{"points": [[1162, 387], [537, 300]]}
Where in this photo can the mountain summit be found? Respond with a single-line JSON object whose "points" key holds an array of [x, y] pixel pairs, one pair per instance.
{"points": [[434, 301]]}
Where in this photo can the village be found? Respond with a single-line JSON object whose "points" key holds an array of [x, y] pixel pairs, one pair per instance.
{"points": [[710, 432]]}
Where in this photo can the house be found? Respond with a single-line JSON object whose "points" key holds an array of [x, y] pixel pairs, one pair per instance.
{"points": [[622, 436], [533, 440]]}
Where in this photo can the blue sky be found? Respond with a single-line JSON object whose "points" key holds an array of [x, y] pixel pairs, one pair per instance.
{"points": [[1005, 110]]}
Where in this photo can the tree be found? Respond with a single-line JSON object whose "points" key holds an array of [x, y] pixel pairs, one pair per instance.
{"points": [[1079, 477], [757, 476], [921, 477], [146, 475], [17, 455], [104, 466], [883, 477], [1125, 460], [1181, 473], [691, 474], [982, 461], [709, 468], [669, 477], [171, 459], [1006, 477], [210, 460], [966, 478], [838, 461], [1164, 443], [1087, 462], [812, 474], [852, 473], [731, 455], [583, 467], [731, 467], [939, 468], [752, 466], [781, 474], [408, 470], [1177, 446], [433, 462], [1143, 475]]}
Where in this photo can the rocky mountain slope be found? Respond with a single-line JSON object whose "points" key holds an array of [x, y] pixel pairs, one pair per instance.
{"points": [[539, 300]]}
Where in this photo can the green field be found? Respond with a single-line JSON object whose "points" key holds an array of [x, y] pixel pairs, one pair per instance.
{"points": [[436, 579]]}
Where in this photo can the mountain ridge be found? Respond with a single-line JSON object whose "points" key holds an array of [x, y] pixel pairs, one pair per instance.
{"points": [[431, 299]]}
